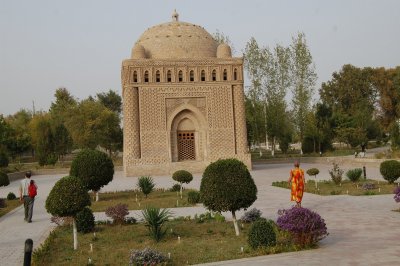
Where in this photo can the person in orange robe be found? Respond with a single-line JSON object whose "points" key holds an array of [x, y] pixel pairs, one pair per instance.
{"points": [[296, 180]]}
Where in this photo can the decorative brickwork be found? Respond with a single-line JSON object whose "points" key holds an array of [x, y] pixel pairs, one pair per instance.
{"points": [[162, 99]]}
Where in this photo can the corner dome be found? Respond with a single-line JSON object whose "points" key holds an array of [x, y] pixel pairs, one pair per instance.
{"points": [[224, 51], [138, 52], [177, 40]]}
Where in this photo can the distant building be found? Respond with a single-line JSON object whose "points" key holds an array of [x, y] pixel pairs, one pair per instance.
{"points": [[183, 101]]}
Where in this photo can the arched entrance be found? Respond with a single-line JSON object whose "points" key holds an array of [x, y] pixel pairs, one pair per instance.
{"points": [[187, 137]]}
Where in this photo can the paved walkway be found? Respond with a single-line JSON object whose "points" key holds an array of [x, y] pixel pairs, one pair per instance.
{"points": [[363, 230]]}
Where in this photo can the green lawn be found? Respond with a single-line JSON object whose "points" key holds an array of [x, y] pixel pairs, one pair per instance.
{"points": [[346, 187], [199, 243], [158, 198]]}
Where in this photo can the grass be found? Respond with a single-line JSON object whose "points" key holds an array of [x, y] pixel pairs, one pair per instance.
{"points": [[347, 187], [157, 198], [200, 243], [10, 205], [255, 155]]}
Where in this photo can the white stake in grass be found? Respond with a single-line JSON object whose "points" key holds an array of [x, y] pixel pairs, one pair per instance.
{"points": [[179, 239], [91, 247]]}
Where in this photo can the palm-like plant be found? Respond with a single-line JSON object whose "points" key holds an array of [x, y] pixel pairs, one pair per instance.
{"points": [[154, 220], [145, 184]]}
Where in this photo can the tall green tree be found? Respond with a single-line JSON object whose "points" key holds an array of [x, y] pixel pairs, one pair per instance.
{"points": [[256, 61], [20, 137], [42, 137], [221, 37], [278, 83], [111, 100], [303, 81], [352, 97]]}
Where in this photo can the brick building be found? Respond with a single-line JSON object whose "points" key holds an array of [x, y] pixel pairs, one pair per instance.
{"points": [[183, 101]]}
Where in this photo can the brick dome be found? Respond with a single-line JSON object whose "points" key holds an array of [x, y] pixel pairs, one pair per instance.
{"points": [[177, 40]]}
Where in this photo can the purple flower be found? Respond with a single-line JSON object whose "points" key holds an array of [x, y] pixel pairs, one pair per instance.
{"points": [[397, 194], [306, 226]]}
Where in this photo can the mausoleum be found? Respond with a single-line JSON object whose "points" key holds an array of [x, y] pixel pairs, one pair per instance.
{"points": [[183, 101]]}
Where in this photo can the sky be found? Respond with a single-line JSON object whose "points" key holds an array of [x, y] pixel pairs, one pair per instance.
{"points": [[80, 44]]}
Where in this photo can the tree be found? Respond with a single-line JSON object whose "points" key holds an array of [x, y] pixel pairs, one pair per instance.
{"points": [[67, 198], [94, 168], [42, 138], [91, 124], [182, 176], [221, 38], [62, 141], [227, 186], [276, 87], [20, 139], [303, 81], [256, 62], [351, 96], [111, 100], [63, 104]]}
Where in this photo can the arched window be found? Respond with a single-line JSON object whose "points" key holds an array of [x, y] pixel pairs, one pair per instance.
{"points": [[214, 75], [235, 74], [134, 76], [146, 76], [225, 74], [169, 76], [203, 75], [158, 76], [180, 76], [191, 75]]}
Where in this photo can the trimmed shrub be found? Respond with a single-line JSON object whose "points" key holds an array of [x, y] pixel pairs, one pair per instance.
{"points": [[11, 196], [227, 186], [193, 197], [85, 220], [4, 181], [94, 167], [175, 187], [306, 226], [68, 197], [312, 172], [336, 174], [182, 176], [154, 220], [3, 159], [390, 170], [146, 256], [117, 213], [145, 184], [354, 174], [262, 234], [251, 216], [3, 203], [51, 159]]}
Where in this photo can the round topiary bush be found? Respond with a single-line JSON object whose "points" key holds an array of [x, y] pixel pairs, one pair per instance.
{"points": [[193, 197], [227, 186], [354, 174], [94, 167], [3, 159], [390, 170], [85, 221], [312, 171], [11, 196], [182, 176], [4, 181], [306, 226], [262, 233], [68, 197]]}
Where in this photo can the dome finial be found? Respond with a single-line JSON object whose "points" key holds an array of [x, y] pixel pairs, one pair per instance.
{"points": [[175, 16]]}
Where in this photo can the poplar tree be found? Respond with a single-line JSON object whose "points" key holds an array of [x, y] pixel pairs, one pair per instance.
{"points": [[303, 78]]}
